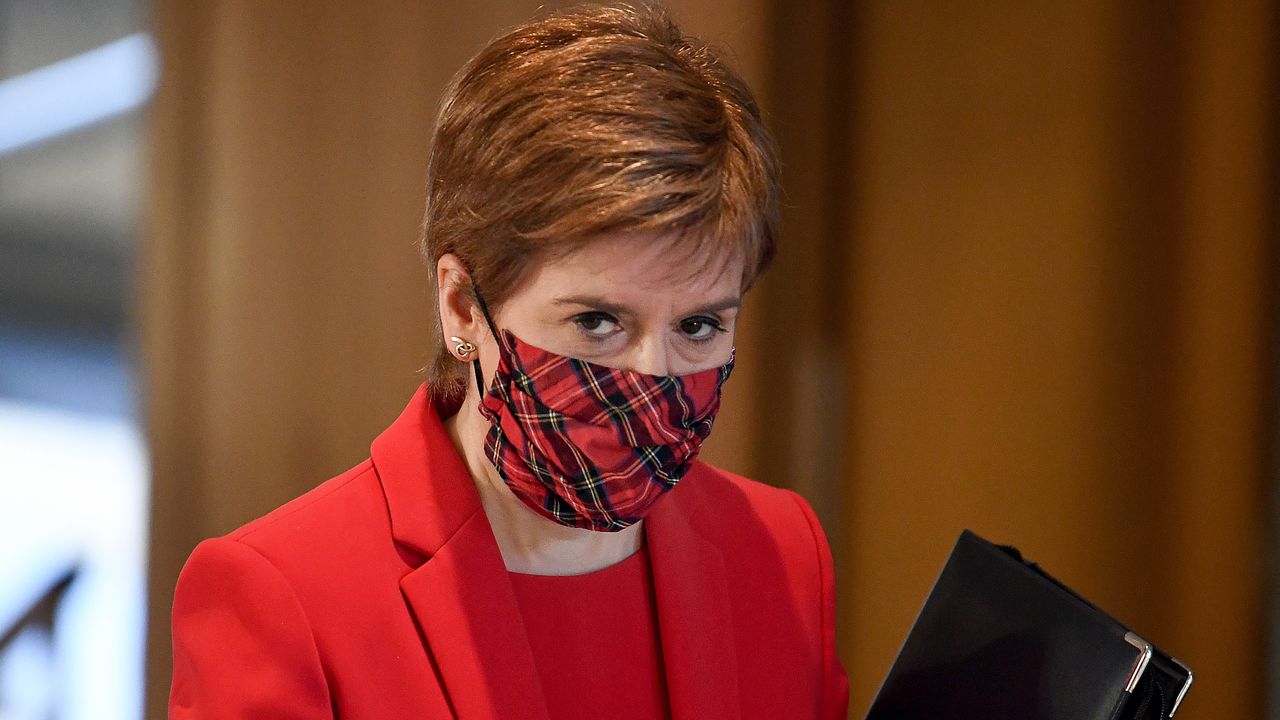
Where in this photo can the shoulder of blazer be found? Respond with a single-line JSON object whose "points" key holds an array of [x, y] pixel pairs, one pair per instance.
{"points": [[344, 517], [728, 508]]}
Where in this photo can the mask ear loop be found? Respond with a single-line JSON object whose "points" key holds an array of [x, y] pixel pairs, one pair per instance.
{"points": [[493, 328], [484, 309]]}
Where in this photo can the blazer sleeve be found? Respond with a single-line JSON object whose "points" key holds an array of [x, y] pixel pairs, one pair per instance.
{"points": [[835, 682], [242, 646]]}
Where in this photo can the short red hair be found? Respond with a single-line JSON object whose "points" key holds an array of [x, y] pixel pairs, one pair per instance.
{"points": [[592, 121]]}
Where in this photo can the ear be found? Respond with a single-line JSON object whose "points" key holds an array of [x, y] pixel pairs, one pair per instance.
{"points": [[459, 316]]}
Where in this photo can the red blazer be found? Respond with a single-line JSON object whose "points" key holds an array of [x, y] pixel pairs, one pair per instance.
{"points": [[382, 594]]}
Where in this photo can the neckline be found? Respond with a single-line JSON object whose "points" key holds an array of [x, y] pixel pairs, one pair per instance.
{"points": [[626, 564]]}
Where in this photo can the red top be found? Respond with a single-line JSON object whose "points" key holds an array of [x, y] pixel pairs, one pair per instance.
{"points": [[595, 641]]}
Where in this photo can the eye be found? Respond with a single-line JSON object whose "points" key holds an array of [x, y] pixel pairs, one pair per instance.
{"points": [[596, 325], [701, 328]]}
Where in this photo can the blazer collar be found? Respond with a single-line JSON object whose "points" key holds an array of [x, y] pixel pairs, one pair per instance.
{"points": [[429, 492], [463, 600]]}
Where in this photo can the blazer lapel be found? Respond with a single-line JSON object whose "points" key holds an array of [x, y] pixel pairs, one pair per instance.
{"points": [[465, 605], [694, 618], [461, 595]]}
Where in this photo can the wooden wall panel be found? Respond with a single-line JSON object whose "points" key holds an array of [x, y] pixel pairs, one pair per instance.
{"points": [[1060, 312], [284, 310]]}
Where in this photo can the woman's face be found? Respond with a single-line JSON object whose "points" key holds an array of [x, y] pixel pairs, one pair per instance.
{"points": [[627, 301]]}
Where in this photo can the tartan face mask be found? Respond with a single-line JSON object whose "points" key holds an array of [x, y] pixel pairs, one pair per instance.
{"points": [[590, 446]]}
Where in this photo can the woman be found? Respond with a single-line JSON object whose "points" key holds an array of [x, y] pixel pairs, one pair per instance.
{"points": [[533, 537]]}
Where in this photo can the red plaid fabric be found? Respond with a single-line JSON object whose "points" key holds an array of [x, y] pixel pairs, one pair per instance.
{"points": [[591, 446]]}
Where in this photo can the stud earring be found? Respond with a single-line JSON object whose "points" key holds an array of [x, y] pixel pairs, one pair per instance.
{"points": [[463, 348]]}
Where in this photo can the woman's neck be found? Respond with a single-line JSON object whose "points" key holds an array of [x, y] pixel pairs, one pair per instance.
{"points": [[529, 542]]}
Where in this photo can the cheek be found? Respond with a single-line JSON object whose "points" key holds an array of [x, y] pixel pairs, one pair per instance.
{"points": [[705, 357], [728, 338], [727, 346]]}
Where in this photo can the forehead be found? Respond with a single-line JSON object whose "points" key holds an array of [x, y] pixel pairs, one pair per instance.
{"points": [[642, 264]]}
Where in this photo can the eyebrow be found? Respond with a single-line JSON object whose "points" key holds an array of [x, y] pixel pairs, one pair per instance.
{"points": [[600, 303]]}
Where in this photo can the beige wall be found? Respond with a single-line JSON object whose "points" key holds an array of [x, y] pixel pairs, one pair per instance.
{"points": [[1062, 221], [1025, 288]]}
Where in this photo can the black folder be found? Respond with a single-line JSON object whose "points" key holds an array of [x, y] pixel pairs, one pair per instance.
{"points": [[998, 638]]}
